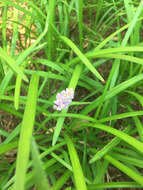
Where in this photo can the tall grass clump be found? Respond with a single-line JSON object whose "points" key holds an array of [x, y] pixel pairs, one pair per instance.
{"points": [[71, 95]]}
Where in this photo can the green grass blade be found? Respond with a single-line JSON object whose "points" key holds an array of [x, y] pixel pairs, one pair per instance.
{"points": [[104, 42], [50, 64], [82, 57], [79, 8], [133, 23], [77, 170], [108, 147], [137, 96], [121, 116], [17, 92], [65, 164], [72, 115], [62, 180], [46, 74], [104, 52], [127, 138], [139, 125], [9, 146], [26, 134], [110, 185], [4, 133], [127, 159], [4, 25], [51, 12], [12, 63], [124, 85], [138, 178], [99, 11], [12, 135], [39, 175], [114, 91], [101, 171], [15, 32], [124, 57]]}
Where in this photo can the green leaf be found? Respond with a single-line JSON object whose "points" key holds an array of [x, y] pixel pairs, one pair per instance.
{"points": [[82, 57], [26, 134], [127, 138], [39, 175], [6, 147], [77, 170], [61, 181], [111, 185], [121, 116], [108, 147], [12, 63], [137, 96], [135, 176]]}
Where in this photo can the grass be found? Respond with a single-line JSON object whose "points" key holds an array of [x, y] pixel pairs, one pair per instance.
{"points": [[95, 48]]}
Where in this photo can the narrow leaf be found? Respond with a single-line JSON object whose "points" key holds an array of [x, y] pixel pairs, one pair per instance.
{"points": [[82, 57], [26, 134], [12, 63], [77, 170]]}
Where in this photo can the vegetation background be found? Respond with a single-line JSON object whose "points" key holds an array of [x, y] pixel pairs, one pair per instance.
{"points": [[94, 47]]}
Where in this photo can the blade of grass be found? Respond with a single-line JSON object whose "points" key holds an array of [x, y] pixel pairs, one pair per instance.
{"points": [[51, 13], [79, 9], [15, 32], [17, 92], [121, 116], [138, 125], [114, 91], [133, 23], [39, 175], [77, 170], [127, 138], [128, 160], [9, 146], [136, 177], [72, 115], [137, 96], [64, 163], [25, 134], [4, 25], [124, 57], [62, 180], [12, 135], [46, 74], [102, 171], [100, 4], [4, 133], [111, 185], [108, 147], [12, 64], [82, 57]]}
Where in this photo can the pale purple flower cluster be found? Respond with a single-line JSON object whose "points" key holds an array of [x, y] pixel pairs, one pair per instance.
{"points": [[63, 99]]}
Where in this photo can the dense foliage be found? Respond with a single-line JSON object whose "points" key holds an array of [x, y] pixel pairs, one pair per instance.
{"points": [[71, 94]]}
